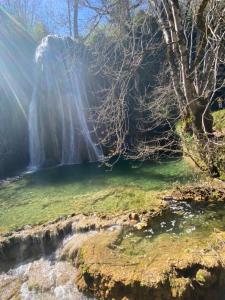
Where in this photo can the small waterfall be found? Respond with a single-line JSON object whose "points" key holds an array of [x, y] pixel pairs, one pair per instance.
{"points": [[59, 132]]}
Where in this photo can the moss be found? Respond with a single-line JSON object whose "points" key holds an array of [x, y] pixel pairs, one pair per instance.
{"points": [[193, 149], [219, 120], [164, 268], [219, 126], [34, 287]]}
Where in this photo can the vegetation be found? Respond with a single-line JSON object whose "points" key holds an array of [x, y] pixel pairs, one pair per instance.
{"points": [[219, 121], [138, 85], [145, 75]]}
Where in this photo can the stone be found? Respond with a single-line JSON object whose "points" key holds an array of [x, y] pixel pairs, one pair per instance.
{"points": [[141, 225], [134, 216], [168, 198], [27, 227]]}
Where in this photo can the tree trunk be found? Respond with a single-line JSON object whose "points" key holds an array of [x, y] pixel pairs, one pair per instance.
{"points": [[75, 20], [202, 118], [202, 127], [69, 17], [198, 107]]}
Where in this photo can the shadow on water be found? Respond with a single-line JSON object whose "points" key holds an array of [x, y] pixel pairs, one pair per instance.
{"points": [[148, 175], [87, 188]]}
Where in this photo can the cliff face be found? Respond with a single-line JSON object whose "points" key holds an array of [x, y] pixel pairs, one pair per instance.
{"points": [[16, 72]]}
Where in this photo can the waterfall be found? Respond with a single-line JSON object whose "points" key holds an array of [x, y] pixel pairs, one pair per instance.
{"points": [[59, 132]]}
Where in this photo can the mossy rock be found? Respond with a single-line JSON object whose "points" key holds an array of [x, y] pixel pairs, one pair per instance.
{"points": [[205, 277]]}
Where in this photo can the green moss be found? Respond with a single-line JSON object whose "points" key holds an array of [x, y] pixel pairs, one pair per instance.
{"points": [[153, 262], [219, 120], [193, 149]]}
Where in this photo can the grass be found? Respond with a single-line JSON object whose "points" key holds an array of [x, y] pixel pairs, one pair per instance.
{"points": [[46, 195]]}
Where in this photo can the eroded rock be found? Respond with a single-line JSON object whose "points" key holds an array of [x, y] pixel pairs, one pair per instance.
{"points": [[166, 271]]}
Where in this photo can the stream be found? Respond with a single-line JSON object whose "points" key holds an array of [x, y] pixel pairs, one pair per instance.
{"points": [[47, 278]]}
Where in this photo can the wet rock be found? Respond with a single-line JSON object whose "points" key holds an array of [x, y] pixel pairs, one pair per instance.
{"points": [[207, 192], [47, 279], [27, 227], [179, 287], [71, 248], [40, 278], [115, 269], [34, 241], [31, 243], [168, 198], [10, 288], [134, 216], [141, 225]]}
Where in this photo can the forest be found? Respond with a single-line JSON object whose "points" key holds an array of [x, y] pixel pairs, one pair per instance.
{"points": [[112, 149]]}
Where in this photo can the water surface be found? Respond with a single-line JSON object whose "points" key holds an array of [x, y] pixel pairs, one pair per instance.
{"points": [[50, 193], [190, 222]]}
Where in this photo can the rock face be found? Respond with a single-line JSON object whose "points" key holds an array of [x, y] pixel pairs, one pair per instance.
{"points": [[186, 269], [46, 278], [33, 242], [16, 67]]}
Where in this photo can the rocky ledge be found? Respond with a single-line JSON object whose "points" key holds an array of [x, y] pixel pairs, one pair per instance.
{"points": [[185, 269], [110, 265], [31, 242], [114, 266]]}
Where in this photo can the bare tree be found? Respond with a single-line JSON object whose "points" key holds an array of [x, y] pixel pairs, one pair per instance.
{"points": [[24, 10], [69, 17], [194, 43], [122, 115], [75, 19], [194, 35]]}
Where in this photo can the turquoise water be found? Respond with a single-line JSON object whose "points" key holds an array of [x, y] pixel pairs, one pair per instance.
{"points": [[181, 221], [50, 193], [147, 175]]}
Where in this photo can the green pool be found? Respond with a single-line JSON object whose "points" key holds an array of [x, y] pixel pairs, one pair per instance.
{"points": [[48, 194]]}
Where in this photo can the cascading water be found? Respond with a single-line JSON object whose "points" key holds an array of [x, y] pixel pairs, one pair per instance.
{"points": [[58, 128]]}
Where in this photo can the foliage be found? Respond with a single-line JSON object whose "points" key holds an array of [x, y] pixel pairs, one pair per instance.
{"points": [[39, 31], [193, 149], [219, 120]]}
